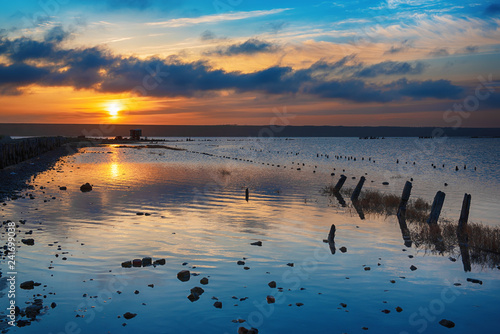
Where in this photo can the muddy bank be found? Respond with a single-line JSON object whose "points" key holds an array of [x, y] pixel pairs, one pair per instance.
{"points": [[14, 178]]}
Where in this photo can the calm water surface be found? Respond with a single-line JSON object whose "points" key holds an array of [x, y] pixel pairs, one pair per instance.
{"points": [[199, 221]]}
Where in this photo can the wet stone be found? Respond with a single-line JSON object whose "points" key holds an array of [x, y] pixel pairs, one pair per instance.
{"points": [[184, 275], [257, 243], [29, 242], [86, 188], [160, 262], [475, 281], [447, 323], [127, 264], [272, 284], [218, 304], [129, 315]]}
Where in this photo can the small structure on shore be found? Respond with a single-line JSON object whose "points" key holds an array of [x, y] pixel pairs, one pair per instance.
{"points": [[135, 134]]}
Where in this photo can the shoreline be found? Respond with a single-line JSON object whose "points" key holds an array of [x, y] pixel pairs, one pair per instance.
{"points": [[15, 178]]}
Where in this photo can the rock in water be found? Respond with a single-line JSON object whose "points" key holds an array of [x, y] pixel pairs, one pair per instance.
{"points": [[243, 330], [197, 291], [343, 249], [129, 315], [204, 281], [272, 284], [28, 285], [29, 242], [218, 305], [476, 281], [127, 264], [147, 261], [160, 262], [447, 323], [137, 263], [257, 243], [86, 187], [413, 268], [184, 275], [270, 299]]}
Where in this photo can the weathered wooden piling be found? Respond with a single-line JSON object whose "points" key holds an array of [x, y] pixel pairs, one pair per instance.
{"points": [[404, 198], [405, 231], [18, 150], [247, 194], [436, 207], [462, 221], [359, 209], [340, 183], [340, 199], [331, 234], [357, 190], [331, 239]]}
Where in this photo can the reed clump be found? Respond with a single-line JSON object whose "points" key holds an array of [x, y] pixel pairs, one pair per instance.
{"points": [[482, 243], [224, 172]]}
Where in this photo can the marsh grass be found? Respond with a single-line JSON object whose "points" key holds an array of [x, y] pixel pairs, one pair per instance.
{"points": [[483, 241], [224, 172]]}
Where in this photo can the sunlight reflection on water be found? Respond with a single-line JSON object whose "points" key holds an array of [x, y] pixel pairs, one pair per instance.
{"points": [[192, 209]]}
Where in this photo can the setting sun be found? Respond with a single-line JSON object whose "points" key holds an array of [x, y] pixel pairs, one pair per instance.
{"points": [[114, 108]]}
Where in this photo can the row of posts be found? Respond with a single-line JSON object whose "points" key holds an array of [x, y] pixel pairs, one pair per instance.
{"points": [[437, 205], [16, 151]]}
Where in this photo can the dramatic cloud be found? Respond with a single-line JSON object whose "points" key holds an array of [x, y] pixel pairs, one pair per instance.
{"points": [[391, 68], [468, 49], [252, 46], [404, 46], [493, 9], [208, 35], [57, 34], [188, 21], [442, 52], [99, 70]]}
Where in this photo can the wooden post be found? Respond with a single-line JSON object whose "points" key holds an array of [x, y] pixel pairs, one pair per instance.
{"points": [[246, 194], [341, 182], [331, 235], [437, 205], [359, 209], [331, 239], [404, 198], [405, 232], [357, 190], [464, 217], [340, 199]]}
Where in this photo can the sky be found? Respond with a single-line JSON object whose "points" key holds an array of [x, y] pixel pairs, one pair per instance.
{"points": [[350, 63]]}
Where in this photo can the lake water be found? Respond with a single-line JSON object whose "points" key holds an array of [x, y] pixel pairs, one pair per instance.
{"points": [[193, 213]]}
